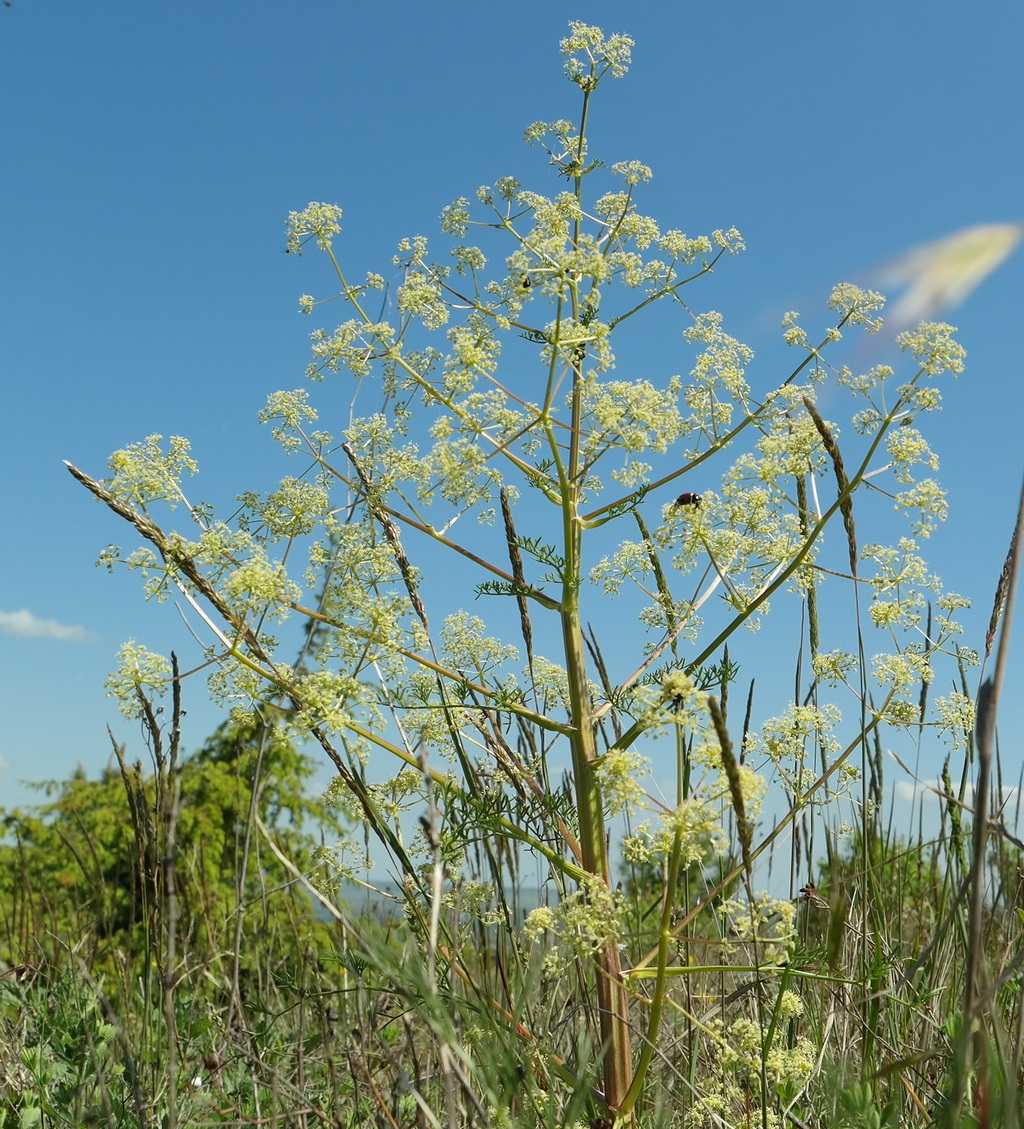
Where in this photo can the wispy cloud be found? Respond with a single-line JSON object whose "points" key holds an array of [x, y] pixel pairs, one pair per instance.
{"points": [[26, 624], [933, 790], [940, 275]]}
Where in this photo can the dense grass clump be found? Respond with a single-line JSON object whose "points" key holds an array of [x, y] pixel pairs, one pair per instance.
{"points": [[279, 1009]]}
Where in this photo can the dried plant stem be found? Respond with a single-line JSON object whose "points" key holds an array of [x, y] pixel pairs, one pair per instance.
{"points": [[988, 705]]}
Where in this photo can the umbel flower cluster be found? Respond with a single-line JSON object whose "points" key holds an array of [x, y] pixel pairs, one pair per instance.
{"points": [[511, 453]]}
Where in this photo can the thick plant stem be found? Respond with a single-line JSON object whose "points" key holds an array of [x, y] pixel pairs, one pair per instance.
{"points": [[612, 1000]]}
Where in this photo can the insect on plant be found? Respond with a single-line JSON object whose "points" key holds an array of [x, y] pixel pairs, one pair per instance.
{"points": [[688, 499]]}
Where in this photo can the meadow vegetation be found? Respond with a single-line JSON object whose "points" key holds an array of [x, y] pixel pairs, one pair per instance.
{"points": [[483, 602]]}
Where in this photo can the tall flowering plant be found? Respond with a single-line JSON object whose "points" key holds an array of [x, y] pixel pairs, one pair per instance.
{"points": [[514, 462]]}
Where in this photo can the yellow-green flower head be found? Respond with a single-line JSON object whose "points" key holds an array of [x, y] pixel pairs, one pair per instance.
{"points": [[677, 684]]}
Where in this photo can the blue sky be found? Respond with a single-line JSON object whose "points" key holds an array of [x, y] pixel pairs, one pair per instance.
{"points": [[153, 152]]}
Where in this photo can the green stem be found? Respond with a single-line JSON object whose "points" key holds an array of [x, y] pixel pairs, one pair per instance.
{"points": [[612, 999]]}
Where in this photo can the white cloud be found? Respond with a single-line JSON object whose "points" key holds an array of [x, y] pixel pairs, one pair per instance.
{"points": [[911, 790], [26, 624], [933, 790]]}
